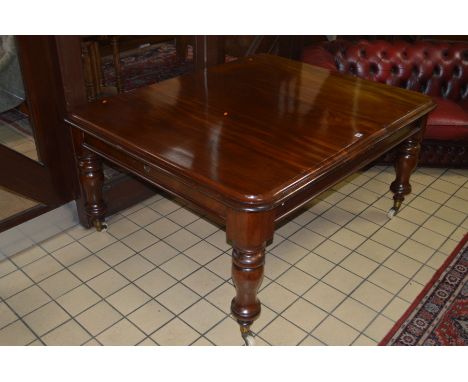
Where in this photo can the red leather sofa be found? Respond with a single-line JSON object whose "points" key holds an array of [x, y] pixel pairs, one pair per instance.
{"points": [[437, 69]]}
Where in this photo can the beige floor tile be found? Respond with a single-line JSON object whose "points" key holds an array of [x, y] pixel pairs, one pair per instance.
{"points": [[444, 186], [148, 342], [266, 316], [107, 283], [226, 333], [354, 314], [175, 333], [423, 204], [221, 266], [134, 267], [410, 291], [140, 240], [437, 260], [68, 334], [128, 299], [150, 317], [306, 238], [159, 253], [324, 296], [372, 296], [458, 204], [122, 228], [435, 195], [374, 251], [180, 266], [115, 253], [424, 275], [42, 268], [296, 280], [78, 300], [459, 233], [46, 318], [304, 218], [342, 280], [182, 240], [202, 341], [331, 196], [334, 332], [428, 238], [57, 242], [388, 279], [274, 266], [155, 282], [416, 250], [376, 186], [315, 265], [59, 283], [365, 196], [289, 251], [202, 316], [450, 215], [282, 333], [203, 252], [276, 297], [78, 231], [363, 340], [440, 226], [97, 241], [362, 226], [203, 281], [374, 215], [395, 309], [338, 216], [182, 217], [348, 238], [413, 215], [402, 264], [323, 226], [202, 228], [98, 317], [221, 297], [164, 206], [7, 316], [162, 228], [304, 314], [28, 256], [388, 238], [88, 268], [13, 283], [123, 333], [71, 254], [401, 226], [448, 247], [352, 205], [332, 251], [6, 267], [311, 341], [286, 229], [358, 264], [178, 298], [218, 239], [144, 216], [378, 329], [16, 334], [28, 300]]}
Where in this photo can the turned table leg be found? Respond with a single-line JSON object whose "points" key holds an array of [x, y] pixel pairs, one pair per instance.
{"points": [[249, 233], [92, 180], [408, 154]]}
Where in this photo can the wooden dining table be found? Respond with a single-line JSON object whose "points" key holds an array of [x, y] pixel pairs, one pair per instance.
{"points": [[248, 143]]}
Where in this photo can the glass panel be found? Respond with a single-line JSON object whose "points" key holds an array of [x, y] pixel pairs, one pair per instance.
{"points": [[12, 203], [16, 131]]}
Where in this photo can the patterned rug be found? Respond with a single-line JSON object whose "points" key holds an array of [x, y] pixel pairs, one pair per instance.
{"points": [[439, 315]]}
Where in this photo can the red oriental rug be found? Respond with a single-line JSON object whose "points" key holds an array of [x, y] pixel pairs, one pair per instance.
{"points": [[439, 315]]}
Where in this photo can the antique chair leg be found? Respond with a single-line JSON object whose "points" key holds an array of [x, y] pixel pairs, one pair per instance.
{"points": [[249, 233], [92, 180], [405, 164]]}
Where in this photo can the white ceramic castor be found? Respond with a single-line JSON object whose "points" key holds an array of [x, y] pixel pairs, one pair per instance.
{"points": [[392, 212], [249, 339], [100, 226]]}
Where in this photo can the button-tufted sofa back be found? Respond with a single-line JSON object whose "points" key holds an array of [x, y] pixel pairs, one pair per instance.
{"points": [[436, 69]]}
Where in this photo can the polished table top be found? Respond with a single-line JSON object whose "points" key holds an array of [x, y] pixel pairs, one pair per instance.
{"points": [[255, 129]]}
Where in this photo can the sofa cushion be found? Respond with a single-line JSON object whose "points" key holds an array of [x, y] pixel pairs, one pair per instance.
{"points": [[449, 121]]}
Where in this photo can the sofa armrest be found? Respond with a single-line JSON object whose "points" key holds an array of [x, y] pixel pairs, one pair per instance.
{"points": [[319, 56]]}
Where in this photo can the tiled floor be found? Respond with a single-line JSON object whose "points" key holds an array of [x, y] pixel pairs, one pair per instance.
{"points": [[13, 139], [341, 273]]}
